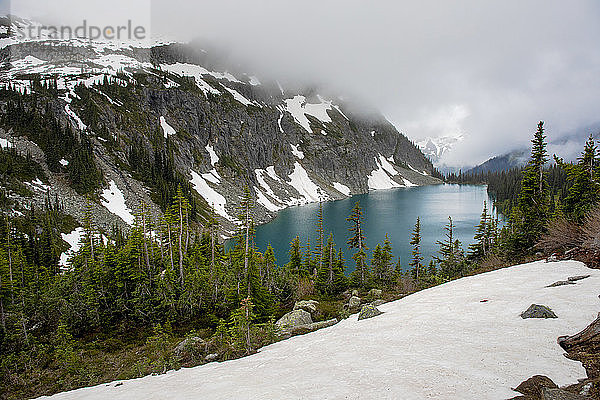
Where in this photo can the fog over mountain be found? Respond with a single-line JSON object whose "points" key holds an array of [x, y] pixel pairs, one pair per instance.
{"points": [[487, 71]]}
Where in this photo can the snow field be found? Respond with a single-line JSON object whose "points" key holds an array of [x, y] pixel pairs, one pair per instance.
{"points": [[114, 201], [440, 343]]}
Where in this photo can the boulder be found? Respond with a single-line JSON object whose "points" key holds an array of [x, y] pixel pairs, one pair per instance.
{"points": [[378, 302], [538, 311], [294, 318], [354, 302], [211, 357], [375, 293], [561, 394], [561, 283], [355, 293], [368, 311], [307, 305], [534, 385], [577, 278], [189, 348], [586, 340], [302, 329]]}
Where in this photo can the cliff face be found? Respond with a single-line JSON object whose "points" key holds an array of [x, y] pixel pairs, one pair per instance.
{"points": [[170, 115]]}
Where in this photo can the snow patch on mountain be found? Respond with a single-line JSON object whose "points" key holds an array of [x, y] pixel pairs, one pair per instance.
{"points": [[389, 168], [238, 97], [270, 171], [114, 201], [265, 202], [343, 189], [5, 143], [82, 127], [214, 158], [379, 179], [212, 197], [73, 239], [299, 108], [191, 70], [167, 129], [212, 176], [309, 191], [298, 153], [254, 81]]}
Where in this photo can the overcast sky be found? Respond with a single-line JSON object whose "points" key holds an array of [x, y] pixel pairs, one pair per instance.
{"points": [[490, 70]]}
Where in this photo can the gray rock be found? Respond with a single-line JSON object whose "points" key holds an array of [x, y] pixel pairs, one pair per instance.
{"points": [[561, 394], [211, 357], [538, 311], [189, 346], [307, 305], [294, 318], [534, 385], [355, 293], [378, 302], [375, 293], [561, 283], [290, 331], [577, 278], [354, 302], [368, 311]]}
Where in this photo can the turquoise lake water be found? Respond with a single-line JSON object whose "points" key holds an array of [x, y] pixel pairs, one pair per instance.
{"points": [[392, 212]]}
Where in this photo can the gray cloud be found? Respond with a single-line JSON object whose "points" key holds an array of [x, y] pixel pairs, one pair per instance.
{"points": [[489, 70]]}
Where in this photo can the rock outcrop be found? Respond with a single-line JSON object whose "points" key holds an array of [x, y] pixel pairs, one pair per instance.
{"points": [[307, 305], [220, 129], [293, 319], [189, 349], [354, 302], [538, 311], [368, 311]]}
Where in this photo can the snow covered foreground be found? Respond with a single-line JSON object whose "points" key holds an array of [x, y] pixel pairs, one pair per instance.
{"points": [[441, 343]]}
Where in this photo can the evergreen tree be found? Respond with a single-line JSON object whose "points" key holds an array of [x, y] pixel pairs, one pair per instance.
{"points": [[415, 242], [381, 262], [330, 276], [528, 221], [320, 238], [483, 236], [295, 264], [584, 188], [357, 241], [451, 257]]}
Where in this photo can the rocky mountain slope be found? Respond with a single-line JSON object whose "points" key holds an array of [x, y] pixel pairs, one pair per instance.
{"points": [[464, 339], [117, 125]]}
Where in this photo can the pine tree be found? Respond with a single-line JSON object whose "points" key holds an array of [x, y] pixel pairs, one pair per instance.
{"points": [[528, 221], [246, 218], [330, 276], [381, 262], [451, 257], [181, 209], [386, 258], [357, 241], [483, 233], [584, 189], [320, 238], [415, 242], [295, 264]]}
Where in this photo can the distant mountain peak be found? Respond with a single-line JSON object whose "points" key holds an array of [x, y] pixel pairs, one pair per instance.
{"points": [[436, 147]]}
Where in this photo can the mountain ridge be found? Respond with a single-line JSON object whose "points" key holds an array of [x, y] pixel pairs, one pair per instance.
{"points": [[162, 117]]}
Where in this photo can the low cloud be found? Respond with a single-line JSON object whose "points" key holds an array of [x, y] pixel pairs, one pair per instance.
{"points": [[489, 70]]}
